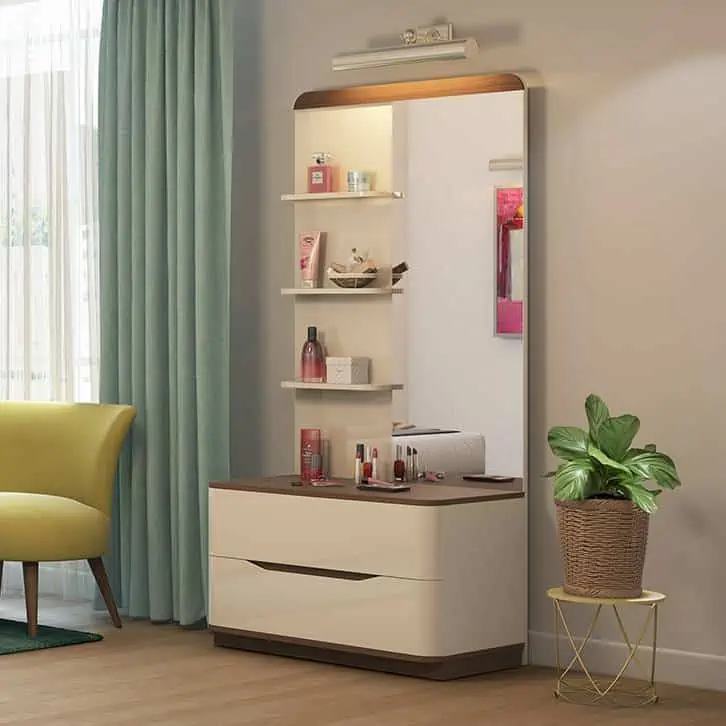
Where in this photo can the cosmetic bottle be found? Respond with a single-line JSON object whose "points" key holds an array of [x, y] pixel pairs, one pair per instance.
{"points": [[311, 455], [358, 469], [312, 359], [367, 464], [399, 465], [321, 175], [374, 464]]}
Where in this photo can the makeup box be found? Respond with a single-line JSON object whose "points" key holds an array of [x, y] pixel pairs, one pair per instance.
{"points": [[347, 370]]}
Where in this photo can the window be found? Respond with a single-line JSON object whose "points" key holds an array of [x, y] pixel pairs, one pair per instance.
{"points": [[48, 204]]}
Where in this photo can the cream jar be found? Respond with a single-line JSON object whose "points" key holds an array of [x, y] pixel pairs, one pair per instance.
{"points": [[360, 181]]}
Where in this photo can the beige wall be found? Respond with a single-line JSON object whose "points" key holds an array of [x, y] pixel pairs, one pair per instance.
{"points": [[628, 176]]}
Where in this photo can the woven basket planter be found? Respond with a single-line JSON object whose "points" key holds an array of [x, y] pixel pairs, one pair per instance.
{"points": [[603, 543]]}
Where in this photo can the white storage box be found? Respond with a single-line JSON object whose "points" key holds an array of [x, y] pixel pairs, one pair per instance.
{"points": [[346, 370]]}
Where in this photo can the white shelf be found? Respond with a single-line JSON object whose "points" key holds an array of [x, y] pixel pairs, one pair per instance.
{"points": [[333, 196], [341, 291], [299, 385]]}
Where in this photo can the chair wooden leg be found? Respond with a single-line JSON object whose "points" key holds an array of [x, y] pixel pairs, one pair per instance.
{"points": [[30, 580], [99, 572]]}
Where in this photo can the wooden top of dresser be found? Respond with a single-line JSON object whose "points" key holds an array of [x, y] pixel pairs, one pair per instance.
{"points": [[421, 493]]}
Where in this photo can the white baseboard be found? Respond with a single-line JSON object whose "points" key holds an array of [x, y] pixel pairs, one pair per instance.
{"points": [[699, 670]]}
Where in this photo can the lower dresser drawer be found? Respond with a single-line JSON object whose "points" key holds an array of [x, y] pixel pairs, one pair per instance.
{"points": [[374, 612]]}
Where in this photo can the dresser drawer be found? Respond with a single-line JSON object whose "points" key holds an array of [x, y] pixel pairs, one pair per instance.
{"points": [[366, 537], [374, 612]]}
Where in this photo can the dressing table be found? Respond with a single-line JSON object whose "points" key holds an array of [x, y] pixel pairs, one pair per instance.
{"points": [[429, 582]]}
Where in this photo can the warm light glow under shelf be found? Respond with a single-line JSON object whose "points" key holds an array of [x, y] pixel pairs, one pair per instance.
{"points": [[360, 387], [341, 291], [339, 196]]}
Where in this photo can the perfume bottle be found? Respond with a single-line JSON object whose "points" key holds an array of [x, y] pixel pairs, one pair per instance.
{"points": [[321, 175], [312, 359], [311, 455]]}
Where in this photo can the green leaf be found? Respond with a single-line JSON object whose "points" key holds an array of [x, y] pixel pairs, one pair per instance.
{"points": [[605, 460], [641, 497], [549, 474], [617, 434], [568, 442], [573, 480], [597, 413], [653, 466]]}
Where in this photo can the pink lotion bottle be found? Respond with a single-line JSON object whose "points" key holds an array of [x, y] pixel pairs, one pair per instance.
{"points": [[312, 359]]}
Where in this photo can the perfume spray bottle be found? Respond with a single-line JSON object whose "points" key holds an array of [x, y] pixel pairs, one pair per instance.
{"points": [[321, 175], [312, 359]]}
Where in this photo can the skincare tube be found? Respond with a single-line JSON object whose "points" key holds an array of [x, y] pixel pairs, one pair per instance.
{"points": [[310, 254]]}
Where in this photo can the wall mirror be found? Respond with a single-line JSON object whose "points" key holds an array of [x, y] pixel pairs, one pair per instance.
{"points": [[426, 181]]}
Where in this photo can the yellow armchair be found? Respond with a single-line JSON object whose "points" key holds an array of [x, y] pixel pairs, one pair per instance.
{"points": [[57, 468]]}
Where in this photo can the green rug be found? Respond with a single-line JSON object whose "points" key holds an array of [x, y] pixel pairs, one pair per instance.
{"points": [[14, 637]]}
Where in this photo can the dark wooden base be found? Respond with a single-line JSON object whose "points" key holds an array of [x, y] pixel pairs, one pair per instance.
{"points": [[438, 669]]}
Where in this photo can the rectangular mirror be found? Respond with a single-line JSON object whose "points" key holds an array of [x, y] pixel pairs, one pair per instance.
{"points": [[430, 173]]}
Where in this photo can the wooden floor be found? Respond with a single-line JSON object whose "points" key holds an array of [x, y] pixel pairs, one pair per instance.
{"points": [[146, 674]]}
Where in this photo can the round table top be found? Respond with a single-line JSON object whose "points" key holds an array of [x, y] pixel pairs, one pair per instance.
{"points": [[649, 597]]}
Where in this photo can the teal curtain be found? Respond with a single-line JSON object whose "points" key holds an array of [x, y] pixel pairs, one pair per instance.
{"points": [[165, 127]]}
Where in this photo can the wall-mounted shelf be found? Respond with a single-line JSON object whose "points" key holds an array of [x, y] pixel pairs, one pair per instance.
{"points": [[341, 291], [360, 387], [339, 196]]}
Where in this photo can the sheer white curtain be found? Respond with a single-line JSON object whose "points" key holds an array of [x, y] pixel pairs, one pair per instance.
{"points": [[49, 338]]}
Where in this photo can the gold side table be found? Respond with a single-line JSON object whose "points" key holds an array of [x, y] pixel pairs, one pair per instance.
{"points": [[583, 687]]}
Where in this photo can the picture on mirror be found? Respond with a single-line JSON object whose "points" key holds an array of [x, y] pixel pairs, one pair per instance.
{"points": [[509, 260]]}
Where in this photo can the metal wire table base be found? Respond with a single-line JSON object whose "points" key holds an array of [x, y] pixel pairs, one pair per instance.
{"points": [[576, 684]]}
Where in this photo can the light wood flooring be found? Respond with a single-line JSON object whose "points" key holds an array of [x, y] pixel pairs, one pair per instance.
{"points": [[152, 674]]}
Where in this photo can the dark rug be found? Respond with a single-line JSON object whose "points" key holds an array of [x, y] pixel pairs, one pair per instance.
{"points": [[14, 637]]}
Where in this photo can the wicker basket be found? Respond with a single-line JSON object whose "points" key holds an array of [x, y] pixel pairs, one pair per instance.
{"points": [[351, 280], [603, 543], [361, 279]]}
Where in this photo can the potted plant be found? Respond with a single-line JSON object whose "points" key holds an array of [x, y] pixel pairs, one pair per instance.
{"points": [[605, 491]]}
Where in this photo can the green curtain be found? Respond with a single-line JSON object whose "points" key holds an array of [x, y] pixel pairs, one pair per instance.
{"points": [[165, 129]]}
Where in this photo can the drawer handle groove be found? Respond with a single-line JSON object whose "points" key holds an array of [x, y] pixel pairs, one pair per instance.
{"points": [[311, 571]]}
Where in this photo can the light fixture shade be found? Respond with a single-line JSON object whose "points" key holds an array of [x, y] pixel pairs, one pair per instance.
{"points": [[414, 53]]}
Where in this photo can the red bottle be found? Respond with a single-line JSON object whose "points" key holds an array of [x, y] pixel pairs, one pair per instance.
{"points": [[311, 455], [312, 359]]}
